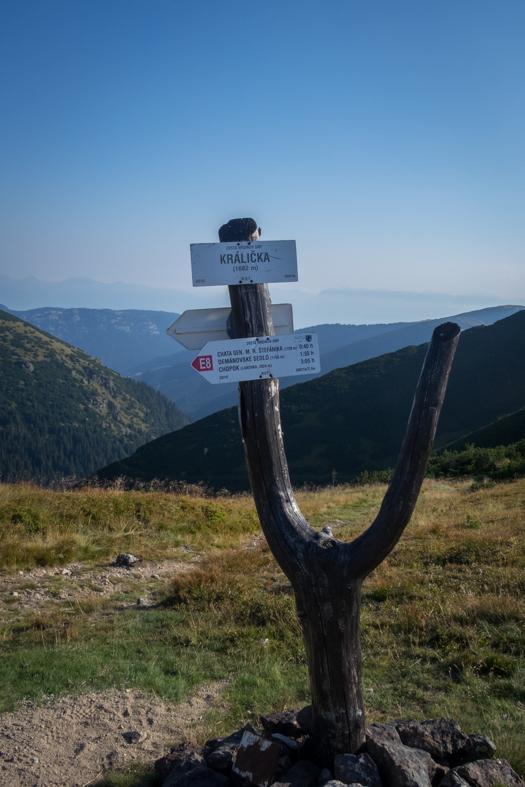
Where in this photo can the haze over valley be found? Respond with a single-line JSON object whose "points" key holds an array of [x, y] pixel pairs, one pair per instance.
{"points": [[37, 444]]}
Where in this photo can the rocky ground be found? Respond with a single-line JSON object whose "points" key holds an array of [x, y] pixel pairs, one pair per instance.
{"points": [[75, 740], [433, 753], [40, 587]]}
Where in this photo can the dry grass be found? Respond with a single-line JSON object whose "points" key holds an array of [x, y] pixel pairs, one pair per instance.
{"points": [[40, 527], [442, 617]]}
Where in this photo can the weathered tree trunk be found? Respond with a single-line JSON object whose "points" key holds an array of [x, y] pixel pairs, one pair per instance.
{"points": [[326, 573]]}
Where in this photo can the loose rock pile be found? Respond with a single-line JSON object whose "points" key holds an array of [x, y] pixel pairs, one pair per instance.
{"points": [[433, 753]]}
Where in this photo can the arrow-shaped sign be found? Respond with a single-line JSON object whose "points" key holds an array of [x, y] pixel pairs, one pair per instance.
{"points": [[196, 327], [258, 358]]}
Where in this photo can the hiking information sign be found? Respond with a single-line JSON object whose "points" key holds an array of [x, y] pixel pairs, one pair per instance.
{"points": [[258, 358], [246, 262]]}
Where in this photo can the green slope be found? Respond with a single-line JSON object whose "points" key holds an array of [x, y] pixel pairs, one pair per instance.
{"points": [[352, 419], [63, 412], [503, 431]]}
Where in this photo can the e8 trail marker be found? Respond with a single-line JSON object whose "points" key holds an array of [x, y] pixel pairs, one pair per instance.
{"points": [[258, 358]]}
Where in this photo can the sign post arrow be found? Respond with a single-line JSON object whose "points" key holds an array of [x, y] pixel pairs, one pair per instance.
{"points": [[258, 358], [195, 327]]}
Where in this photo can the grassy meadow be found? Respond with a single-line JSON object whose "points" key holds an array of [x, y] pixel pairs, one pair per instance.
{"points": [[442, 617]]}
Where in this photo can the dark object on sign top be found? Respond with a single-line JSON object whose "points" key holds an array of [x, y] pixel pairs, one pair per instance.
{"points": [[239, 230]]}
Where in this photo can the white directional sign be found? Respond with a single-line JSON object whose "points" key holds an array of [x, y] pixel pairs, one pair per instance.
{"points": [[258, 358], [195, 327], [246, 262]]}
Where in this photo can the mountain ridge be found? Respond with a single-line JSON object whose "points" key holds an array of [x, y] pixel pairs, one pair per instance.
{"points": [[353, 418], [329, 305], [198, 398], [119, 338]]}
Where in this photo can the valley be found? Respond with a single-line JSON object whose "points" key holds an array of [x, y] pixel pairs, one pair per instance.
{"points": [[340, 346], [350, 420]]}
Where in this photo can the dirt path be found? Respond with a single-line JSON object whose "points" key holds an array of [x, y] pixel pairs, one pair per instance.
{"points": [[73, 741]]}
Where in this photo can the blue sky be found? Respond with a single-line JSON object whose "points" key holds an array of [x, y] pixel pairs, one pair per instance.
{"points": [[385, 136]]}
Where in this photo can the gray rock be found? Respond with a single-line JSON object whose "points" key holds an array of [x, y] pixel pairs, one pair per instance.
{"points": [[222, 758], [125, 559], [442, 738], [325, 776], [134, 736], [27, 366], [485, 773], [303, 774], [356, 768], [452, 779], [305, 719], [478, 747], [440, 771], [290, 743], [335, 783], [284, 764], [224, 751], [199, 776], [401, 766], [182, 758], [283, 723], [382, 732]]}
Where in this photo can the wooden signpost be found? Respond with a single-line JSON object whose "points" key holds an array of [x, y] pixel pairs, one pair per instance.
{"points": [[327, 573]]}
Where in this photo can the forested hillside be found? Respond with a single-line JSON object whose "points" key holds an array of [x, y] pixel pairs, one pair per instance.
{"points": [[63, 412], [504, 431], [121, 339], [352, 419]]}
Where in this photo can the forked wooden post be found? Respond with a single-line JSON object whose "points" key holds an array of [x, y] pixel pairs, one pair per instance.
{"points": [[326, 573]]}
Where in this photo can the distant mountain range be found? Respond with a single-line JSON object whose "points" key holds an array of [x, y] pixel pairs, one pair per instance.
{"points": [[135, 343], [85, 293], [342, 305], [63, 412], [340, 345], [174, 376], [351, 419], [120, 339]]}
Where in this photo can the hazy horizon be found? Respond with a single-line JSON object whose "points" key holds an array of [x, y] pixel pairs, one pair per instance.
{"points": [[327, 306]]}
